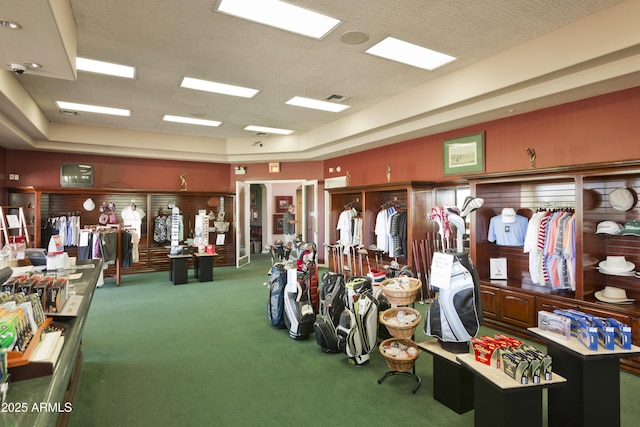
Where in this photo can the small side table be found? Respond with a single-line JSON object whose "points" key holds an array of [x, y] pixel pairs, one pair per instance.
{"points": [[452, 382], [501, 401], [203, 266], [178, 271]]}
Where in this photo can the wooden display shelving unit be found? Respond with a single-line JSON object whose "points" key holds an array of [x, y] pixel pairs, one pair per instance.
{"points": [[152, 254], [512, 305]]}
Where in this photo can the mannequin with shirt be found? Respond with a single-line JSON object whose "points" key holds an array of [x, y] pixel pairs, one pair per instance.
{"points": [[508, 228], [132, 216]]}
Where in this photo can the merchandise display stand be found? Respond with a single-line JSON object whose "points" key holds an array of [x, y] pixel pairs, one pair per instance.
{"points": [[403, 301], [203, 266], [593, 394], [501, 401], [178, 271], [452, 382]]}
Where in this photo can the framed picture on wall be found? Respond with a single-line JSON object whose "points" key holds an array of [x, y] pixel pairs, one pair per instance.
{"points": [[464, 155], [254, 214], [283, 202], [278, 223], [253, 197]]}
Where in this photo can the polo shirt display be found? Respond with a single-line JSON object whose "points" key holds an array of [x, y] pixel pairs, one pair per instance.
{"points": [[508, 228]]}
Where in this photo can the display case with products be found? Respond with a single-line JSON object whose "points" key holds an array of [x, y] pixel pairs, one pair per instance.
{"points": [[152, 251], [583, 193]]}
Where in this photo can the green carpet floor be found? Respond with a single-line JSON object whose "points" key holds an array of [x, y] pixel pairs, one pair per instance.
{"points": [[203, 354]]}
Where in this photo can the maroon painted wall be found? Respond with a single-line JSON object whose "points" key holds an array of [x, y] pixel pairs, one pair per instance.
{"points": [[596, 130], [42, 170]]}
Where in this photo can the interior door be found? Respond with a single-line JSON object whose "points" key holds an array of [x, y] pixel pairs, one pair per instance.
{"points": [[243, 252], [310, 210]]}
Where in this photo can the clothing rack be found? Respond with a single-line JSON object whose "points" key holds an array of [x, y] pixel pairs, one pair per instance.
{"points": [[117, 228]]}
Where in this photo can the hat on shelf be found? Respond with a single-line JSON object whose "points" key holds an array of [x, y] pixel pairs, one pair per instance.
{"points": [[89, 204], [616, 264], [508, 215], [631, 228], [608, 227], [622, 199], [613, 295]]}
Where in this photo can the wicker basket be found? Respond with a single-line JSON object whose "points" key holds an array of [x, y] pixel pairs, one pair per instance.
{"points": [[400, 364], [396, 330], [401, 296]]}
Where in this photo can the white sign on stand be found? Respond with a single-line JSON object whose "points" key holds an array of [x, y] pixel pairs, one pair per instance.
{"points": [[441, 267]]}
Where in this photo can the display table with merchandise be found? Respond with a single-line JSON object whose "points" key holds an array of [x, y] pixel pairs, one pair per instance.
{"points": [[452, 382], [48, 400], [203, 266], [499, 400], [592, 396], [178, 269]]}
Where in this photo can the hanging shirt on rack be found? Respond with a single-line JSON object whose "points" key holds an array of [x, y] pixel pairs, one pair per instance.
{"points": [[344, 227], [381, 229]]}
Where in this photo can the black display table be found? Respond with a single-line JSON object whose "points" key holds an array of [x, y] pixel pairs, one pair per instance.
{"points": [[178, 271], [452, 383], [203, 266], [501, 401], [592, 396]]}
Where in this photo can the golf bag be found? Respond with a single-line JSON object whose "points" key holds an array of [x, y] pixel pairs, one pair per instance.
{"points": [[298, 311], [307, 261], [456, 316], [358, 328], [275, 305], [332, 303], [279, 252]]}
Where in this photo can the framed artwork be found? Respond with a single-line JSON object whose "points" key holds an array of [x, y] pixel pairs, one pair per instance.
{"points": [[278, 223], [254, 214], [253, 196], [274, 167], [283, 202], [464, 155]]}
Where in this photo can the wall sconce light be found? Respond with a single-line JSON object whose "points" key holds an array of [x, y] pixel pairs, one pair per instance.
{"points": [[241, 170]]}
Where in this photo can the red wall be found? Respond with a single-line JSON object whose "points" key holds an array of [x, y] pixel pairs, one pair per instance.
{"points": [[42, 170], [596, 130]]}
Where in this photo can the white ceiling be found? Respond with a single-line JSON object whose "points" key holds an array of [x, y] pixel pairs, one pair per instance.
{"points": [[515, 55]]}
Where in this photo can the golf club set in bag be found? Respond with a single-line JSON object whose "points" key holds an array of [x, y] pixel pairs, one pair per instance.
{"points": [[293, 289]]}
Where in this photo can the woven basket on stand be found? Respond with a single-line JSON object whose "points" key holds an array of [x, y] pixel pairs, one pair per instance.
{"points": [[400, 330], [401, 296], [399, 364]]}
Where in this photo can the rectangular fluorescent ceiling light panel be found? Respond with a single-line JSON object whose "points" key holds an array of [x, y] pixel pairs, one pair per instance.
{"points": [[409, 53], [316, 104], [281, 15], [269, 130], [100, 67], [93, 108], [191, 121], [221, 88]]}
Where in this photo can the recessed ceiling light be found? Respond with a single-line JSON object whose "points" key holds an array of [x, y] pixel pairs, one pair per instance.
{"points": [[409, 53], [269, 130], [93, 108], [108, 68], [191, 121], [316, 104], [220, 88], [32, 65], [9, 24], [281, 15]]}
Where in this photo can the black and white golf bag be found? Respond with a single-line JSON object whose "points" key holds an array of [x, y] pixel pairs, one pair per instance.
{"points": [[456, 315], [358, 327], [275, 305], [332, 303], [298, 311]]}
